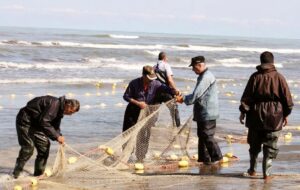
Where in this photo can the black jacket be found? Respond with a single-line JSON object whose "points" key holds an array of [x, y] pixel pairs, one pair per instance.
{"points": [[267, 99], [45, 115]]}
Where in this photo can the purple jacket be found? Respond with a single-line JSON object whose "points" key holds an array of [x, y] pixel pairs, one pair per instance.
{"points": [[136, 91]]}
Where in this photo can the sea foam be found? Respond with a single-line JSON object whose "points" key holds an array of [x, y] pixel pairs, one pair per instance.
{"points": [[149, 47]]}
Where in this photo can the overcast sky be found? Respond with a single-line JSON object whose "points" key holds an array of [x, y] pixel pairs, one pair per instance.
{"points": [[253, 18]]}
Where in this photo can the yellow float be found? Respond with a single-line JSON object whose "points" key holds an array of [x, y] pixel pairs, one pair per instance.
{"points": [[138, 166], [288, 136], [183, 163], [17, 187], [229, 155], [109, 151], [224, 160], [139, 171], [34, 182], [48, 173], [72, 160]]}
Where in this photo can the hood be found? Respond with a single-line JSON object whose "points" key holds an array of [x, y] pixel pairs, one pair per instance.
{"points": [[266, 68]]}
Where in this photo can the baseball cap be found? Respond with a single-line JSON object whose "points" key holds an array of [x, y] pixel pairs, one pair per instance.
{"points": [[198, 59]]}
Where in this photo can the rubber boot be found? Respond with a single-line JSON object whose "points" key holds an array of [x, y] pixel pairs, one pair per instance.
{"points": [[253, 165], [18, 168], [267, 165], [39, 166]]}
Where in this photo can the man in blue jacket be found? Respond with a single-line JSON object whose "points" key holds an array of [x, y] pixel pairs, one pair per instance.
{"points": [[39, 120], [206, 111]]}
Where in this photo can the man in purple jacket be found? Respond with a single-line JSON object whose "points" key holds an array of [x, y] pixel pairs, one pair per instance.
{"points": [[140, 93]]}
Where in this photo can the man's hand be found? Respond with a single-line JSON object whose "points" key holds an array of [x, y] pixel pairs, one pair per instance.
{"points": [[242, 117], [285, 121], [61, 139], [142, 105], [179, 99], [176, 92]]}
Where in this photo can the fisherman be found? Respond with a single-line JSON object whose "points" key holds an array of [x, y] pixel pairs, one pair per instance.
{"points": [[206, 111], [36, 122], [164, 74], [140, 93], [266, 103]]}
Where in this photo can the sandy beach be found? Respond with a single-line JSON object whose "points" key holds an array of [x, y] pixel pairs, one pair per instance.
{"points": [[222, 177]]}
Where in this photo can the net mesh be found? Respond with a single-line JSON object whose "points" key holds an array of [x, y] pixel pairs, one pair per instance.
{"points": [[153, 144]]}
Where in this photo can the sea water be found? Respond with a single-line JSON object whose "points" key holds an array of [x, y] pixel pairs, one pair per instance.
{"points": [[95, 67]]}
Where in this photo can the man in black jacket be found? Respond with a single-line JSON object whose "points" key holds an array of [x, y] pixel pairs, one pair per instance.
{"points": [[266, 102], [36, 122]]}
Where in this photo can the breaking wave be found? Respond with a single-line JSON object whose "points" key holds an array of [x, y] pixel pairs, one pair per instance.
{"points": [[156, 47]]}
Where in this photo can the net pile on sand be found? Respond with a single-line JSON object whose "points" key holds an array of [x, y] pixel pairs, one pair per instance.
{"points": [[153, 144]]}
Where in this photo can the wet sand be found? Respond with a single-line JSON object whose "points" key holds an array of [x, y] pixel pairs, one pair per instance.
{"points": [[229, 176]]}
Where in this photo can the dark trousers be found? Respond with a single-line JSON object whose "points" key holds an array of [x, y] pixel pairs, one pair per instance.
{"points": [[131, 116], [266, 139], [208, 148], [258, 138], [28, 139]]}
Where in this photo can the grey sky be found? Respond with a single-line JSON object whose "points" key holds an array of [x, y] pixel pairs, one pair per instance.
{"points": [[255, 18]]}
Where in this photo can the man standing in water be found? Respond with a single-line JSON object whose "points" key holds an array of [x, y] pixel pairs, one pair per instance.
{"points": [[206, 111], [164, 74], [36, 122], [163, 71], [266, 102]]}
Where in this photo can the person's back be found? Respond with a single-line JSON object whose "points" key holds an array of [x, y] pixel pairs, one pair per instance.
{"points": [[268, 99], [266, 102], [38, 105], [164, 74], [163, 71]]}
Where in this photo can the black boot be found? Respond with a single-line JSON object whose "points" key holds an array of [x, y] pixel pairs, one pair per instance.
{"points": [[39, 166], [18, 168], [253, 165]]}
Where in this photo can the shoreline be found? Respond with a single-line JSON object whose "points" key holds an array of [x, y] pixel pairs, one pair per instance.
{"points": [[285, 171]]}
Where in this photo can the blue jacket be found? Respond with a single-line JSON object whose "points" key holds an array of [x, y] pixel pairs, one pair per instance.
{"points": [[204, 98]]}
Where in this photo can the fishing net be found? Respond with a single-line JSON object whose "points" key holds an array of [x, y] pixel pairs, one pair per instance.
{"points": [[153, 144]]}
